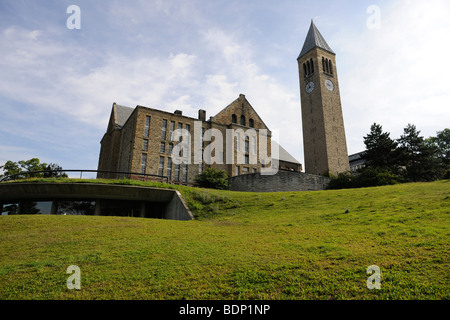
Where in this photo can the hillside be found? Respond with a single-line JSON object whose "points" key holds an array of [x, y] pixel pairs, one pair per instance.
{"points": [[292, 245]]}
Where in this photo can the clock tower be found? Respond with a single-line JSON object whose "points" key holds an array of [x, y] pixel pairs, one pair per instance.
{"points": [[324, 142]]}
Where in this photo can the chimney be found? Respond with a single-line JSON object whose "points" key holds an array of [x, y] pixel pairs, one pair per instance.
{"points": [[202, 115]]}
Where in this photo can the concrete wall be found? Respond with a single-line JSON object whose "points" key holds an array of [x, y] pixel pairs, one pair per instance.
{"points": [[282, 181], [171, 200]]}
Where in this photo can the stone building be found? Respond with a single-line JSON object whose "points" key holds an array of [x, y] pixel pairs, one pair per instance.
{"points": [[144, 141], [324, 141]]}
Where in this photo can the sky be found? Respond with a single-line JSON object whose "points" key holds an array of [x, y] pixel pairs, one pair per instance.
{"points": [[58, 83]]}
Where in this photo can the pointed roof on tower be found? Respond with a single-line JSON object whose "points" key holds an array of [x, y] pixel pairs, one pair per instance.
{"points": [[314, 39]]}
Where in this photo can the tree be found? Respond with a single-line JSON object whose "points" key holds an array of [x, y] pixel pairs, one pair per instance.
{"points": [[11, 168], [213, 179], [419, 158], [381, 150], [442, 143]]}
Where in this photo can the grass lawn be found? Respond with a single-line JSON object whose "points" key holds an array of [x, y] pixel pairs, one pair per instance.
{"points": [[290, 245]]}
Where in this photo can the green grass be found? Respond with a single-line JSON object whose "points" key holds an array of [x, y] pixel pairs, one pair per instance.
{"points": [[290, 245]]}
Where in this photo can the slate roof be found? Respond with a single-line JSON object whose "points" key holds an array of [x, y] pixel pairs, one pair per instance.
{"points": [[283, 155], [122, 114], [314, 39]]}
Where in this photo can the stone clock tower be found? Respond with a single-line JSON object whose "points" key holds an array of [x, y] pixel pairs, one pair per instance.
{"points": [[325, 146]]}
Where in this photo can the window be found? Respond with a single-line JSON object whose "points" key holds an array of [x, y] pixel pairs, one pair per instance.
{"points": [[145, 145], [308, 67], [247, 159], [243, 120], [237, 170], [327, 66], [238, 140], [180, 128], [161, 166], [164, 129], [255, 170], [233, 119], [169, 169], [143, 162], [312, 65], [331, 66], [172, 128], [251, 123], [147, 126], [162, 147], [247, 145], [305, 72], [253, 145], [177, 173], [185, 173], [245, 169], [170, 148], [323, 64]]}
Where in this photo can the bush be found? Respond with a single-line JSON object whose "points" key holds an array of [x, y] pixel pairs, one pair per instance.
{"points": [[367, 177], [447, 174], [213, 179]]}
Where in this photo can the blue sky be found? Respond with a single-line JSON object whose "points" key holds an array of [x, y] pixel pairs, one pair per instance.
{"points": [[57, 85]]}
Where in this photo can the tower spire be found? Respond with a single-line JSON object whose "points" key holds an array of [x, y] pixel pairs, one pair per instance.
{"points": [[314, 39]]}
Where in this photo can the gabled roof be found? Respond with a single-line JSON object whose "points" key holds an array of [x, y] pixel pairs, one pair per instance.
{"points": [[283, 155], [122, 113], [314, 39]]}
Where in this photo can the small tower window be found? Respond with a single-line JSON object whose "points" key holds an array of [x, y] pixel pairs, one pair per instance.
{"points": [[331, 66], [243, 120], [304, 70], [327, 66], [251, 123], [312, 65], [308, 66], [233, 119], [323, 64]]}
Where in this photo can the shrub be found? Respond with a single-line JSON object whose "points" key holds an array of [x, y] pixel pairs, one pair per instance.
{"points": [[213, 179]]}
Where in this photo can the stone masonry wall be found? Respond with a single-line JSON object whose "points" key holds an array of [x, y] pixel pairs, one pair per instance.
{"points": [[282, 181]]}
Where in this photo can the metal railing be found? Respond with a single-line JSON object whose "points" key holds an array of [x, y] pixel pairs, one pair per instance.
{"points": [[48, 174]]}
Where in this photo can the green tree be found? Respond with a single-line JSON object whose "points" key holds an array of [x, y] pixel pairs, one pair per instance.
{"points": [[11, 168], [419, 159], [213, 179], [442, 143], [381, 150]]}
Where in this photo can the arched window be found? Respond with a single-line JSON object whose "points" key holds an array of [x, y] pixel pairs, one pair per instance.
{"points": [[308, 66], [242, 120], [331, 67], [323, 64], [312, 65], [326, 65], [251, 123], [304, 70], [233, 119]]}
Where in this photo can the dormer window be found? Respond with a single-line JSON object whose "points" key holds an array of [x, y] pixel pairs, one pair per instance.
{"points": [[233, 119]]}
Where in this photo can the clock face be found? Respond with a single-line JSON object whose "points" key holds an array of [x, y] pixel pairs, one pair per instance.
{"points": [[329, 85], [310, 87]]}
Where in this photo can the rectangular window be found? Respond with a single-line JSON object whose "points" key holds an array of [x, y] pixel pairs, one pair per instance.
{"points": [[253, 145], [177, 173], [143, 162], [169, 168], [237, 170], [161, 166], [247, 146], [172, 128], [238, 140], [162, 147], [147, 126], [185, 173], [245, 169], [180, 128], [164, 130], [246, 159], [255, 170], [145, 145], [170, 148]]}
